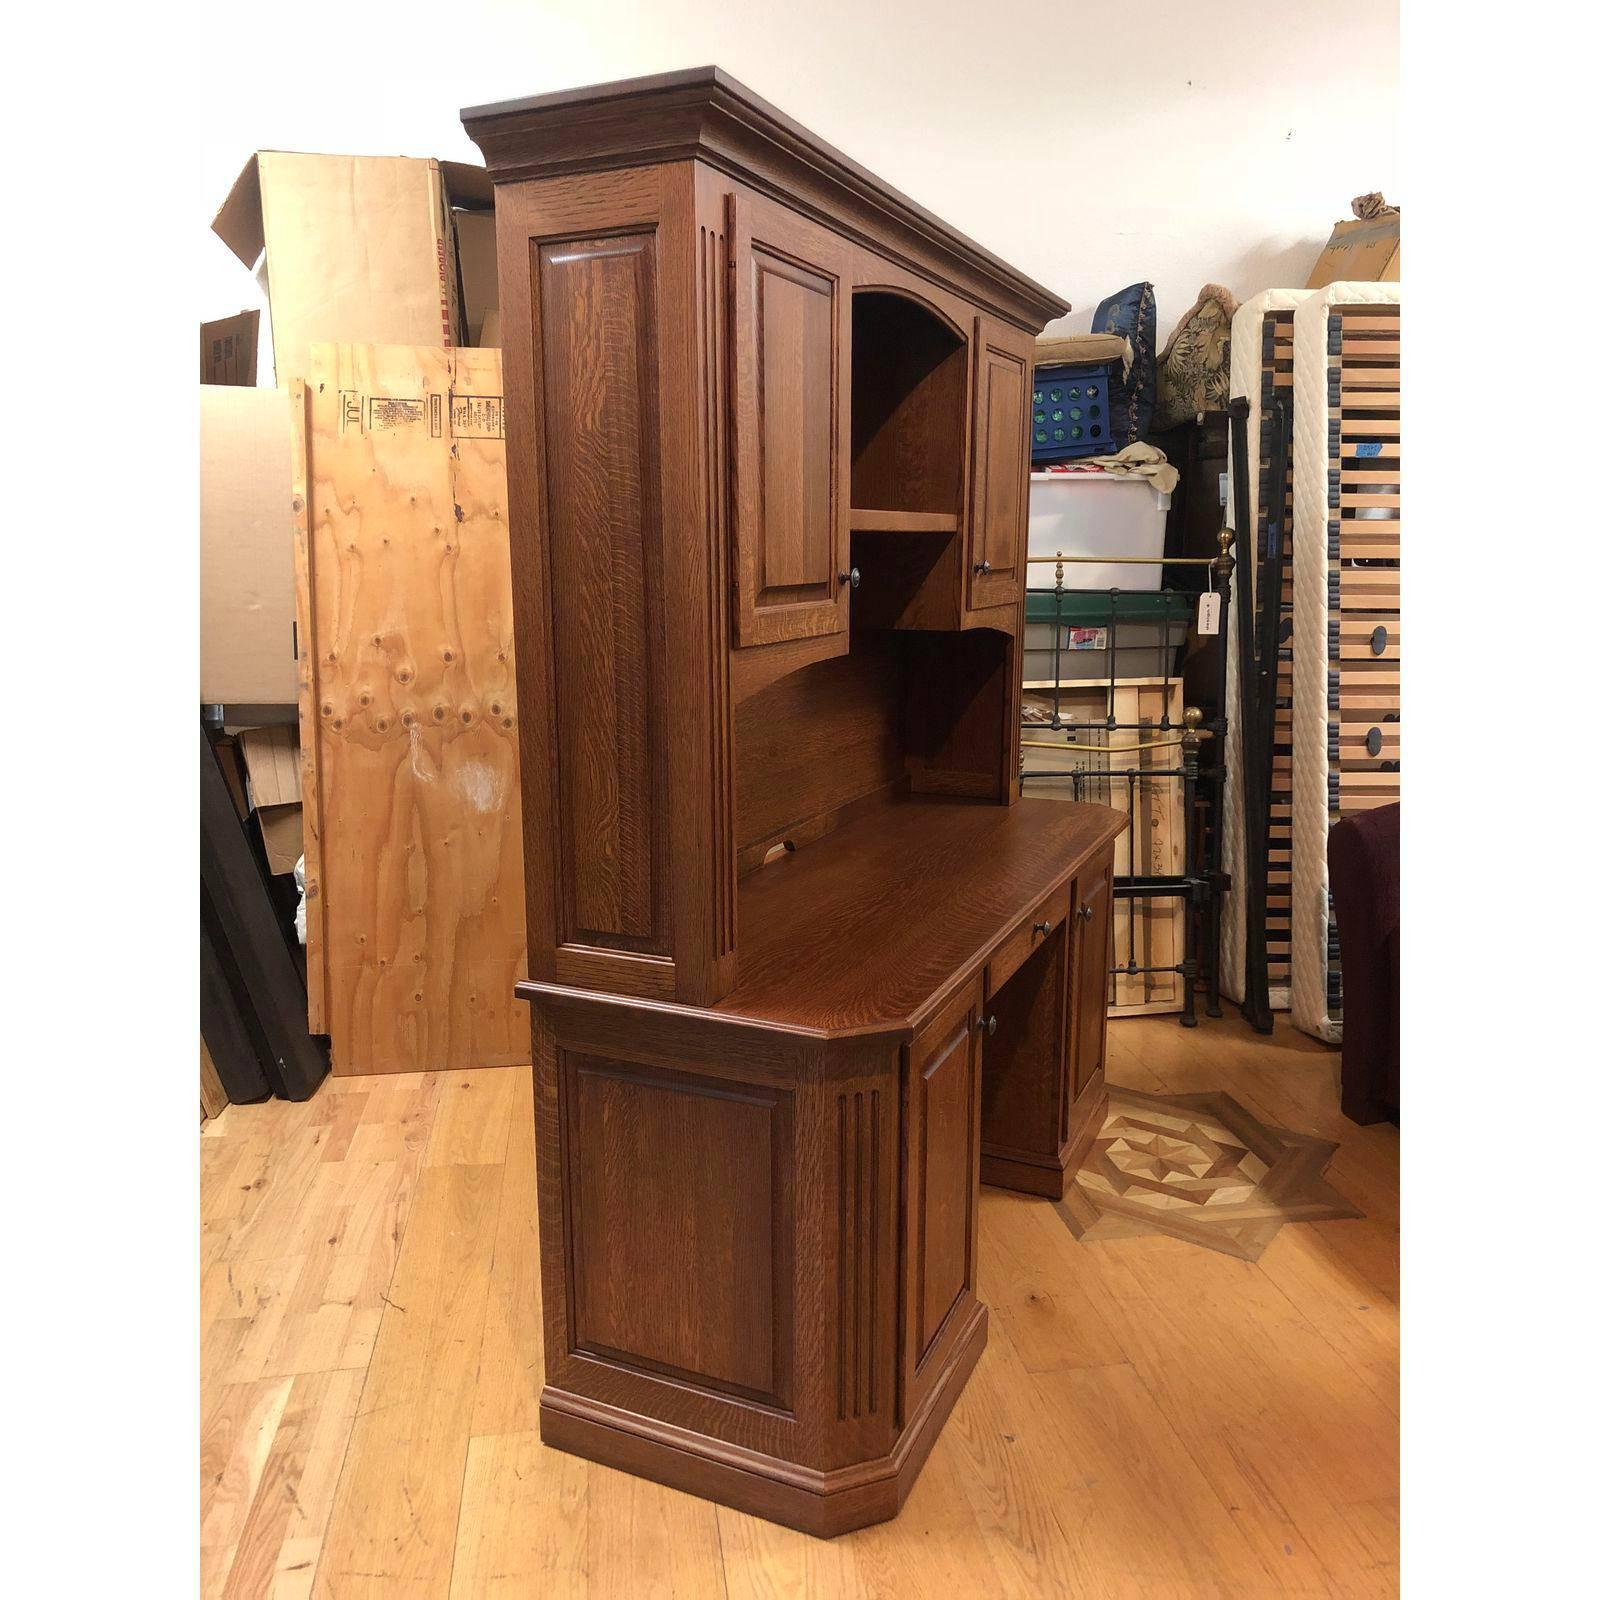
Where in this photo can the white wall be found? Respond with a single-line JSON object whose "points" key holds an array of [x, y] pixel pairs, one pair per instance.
{"points": [[1215, 143]]}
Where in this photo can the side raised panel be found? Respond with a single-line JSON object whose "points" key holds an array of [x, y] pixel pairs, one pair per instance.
{"points": [[999, 522], [791, 336], [679, 1203], [598, 320]]}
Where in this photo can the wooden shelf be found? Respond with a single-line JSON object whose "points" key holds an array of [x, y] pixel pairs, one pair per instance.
{"points": [[902, 521]]}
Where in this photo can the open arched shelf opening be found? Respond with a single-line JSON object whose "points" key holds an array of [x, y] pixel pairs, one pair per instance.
{"points": [[908, 415]]}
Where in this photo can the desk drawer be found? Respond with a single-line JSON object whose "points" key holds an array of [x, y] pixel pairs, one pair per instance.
{"points": [[1050, 913]]}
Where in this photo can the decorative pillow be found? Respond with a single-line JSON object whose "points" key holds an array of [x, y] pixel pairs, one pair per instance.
{"points": [[1132, 313], [1192, 371]]}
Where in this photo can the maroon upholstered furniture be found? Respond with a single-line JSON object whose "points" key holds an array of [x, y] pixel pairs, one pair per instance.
{"points": [[1364, 878]]}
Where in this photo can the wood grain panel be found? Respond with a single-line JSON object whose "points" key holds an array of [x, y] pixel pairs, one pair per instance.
{"points": [[1000, 466], [811, 744], [681, 1225], [946, 1085], [791, 351], [597, 313], [1088, 974], [411, 686]]}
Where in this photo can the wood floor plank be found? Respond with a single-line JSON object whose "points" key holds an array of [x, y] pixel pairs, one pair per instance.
{"points": [[1032, 1273], [523, 1529], [394, 1520], [511, 1368]]}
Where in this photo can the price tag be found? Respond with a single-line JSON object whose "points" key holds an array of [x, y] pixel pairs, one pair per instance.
{"points": [[1209, 612]]}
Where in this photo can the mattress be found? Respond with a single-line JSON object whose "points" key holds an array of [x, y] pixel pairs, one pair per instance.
{"points": [[1253, 323], [1346, 626]]}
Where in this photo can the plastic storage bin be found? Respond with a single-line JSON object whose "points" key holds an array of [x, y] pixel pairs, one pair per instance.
{"points": [[1151, 633], [1071, 412], [1096, 514]]}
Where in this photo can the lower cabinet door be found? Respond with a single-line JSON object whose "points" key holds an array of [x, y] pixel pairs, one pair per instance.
{"points": [[943, 1092], [1089, 972]]}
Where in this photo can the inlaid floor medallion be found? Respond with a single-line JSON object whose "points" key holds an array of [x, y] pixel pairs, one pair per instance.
{"points": [[1198, 1167]]}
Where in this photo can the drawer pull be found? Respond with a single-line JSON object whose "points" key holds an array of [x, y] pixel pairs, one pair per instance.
{"points": [[1379, 640], [981, 568], [1042, 927], [1374, 741], [992, 1024], [852, 577], [1086, 912]]}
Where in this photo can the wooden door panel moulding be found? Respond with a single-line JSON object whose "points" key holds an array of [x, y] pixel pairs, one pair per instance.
{"points": [[790, 346]]}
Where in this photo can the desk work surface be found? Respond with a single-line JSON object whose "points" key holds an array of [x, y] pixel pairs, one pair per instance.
{"points": [[873, 925]]}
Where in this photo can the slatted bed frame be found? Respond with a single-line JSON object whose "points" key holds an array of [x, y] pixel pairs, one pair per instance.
{"points": [[1346, 724]]}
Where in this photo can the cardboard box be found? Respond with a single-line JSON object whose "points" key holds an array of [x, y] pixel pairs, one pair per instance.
{"points": [[272, 773], [1363, 250], [247, 620], [357, 249], [228, 349], [480, 278]]}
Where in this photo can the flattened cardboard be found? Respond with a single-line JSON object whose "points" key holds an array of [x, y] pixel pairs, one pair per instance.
{"points": [[360, 249], [228, 349], [247, 619], [272, 765], [1360, 252], [272, 771]]}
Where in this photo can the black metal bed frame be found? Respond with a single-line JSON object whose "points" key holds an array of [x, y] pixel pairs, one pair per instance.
{"points": [[1201, 884]]}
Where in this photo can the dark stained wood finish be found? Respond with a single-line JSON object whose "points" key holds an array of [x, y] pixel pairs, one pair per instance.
{"points": [[597, 312], [876, 926], [738, 367], [815, 743], [791, 349], [908, 411], [1002, 370], [1091, 959]]}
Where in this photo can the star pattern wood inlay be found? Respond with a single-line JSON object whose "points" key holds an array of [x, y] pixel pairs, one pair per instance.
{"points": [[1198, 1167]]}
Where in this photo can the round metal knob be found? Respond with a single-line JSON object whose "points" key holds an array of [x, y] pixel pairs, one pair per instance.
{"points": [[991, 1025], [1086, 912], [852, 577], [1379, 640], [981, 567], [1374, 741], [1042, 927]]}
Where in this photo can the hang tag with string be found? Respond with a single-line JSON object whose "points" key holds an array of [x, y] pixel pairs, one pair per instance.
{"points": [[1208, 613]]}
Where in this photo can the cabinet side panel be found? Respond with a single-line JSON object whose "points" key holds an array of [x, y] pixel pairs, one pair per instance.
{"points": [[597, 314]]}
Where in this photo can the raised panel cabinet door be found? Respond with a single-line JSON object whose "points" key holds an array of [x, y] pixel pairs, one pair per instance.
{"points": [[944, 1088], [791, 446], [1090, 977], [998, 539]]}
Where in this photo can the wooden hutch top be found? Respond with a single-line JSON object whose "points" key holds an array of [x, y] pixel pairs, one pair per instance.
{"points": [[704, 114]]}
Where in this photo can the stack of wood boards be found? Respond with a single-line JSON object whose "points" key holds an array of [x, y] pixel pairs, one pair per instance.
{"points": [[1147, 933], [1347, 624], [415, 931]]}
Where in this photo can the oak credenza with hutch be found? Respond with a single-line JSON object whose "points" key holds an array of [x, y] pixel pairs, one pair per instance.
{"points": [[803, 966]]}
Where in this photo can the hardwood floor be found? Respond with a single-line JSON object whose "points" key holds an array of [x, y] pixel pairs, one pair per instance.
{"points": [[1150, 1418]]}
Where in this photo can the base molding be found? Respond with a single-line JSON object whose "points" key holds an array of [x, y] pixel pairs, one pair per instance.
{"points": [[820, 1503]]}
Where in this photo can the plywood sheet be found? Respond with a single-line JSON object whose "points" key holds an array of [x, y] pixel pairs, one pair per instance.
{"points": [[414, 851]]}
